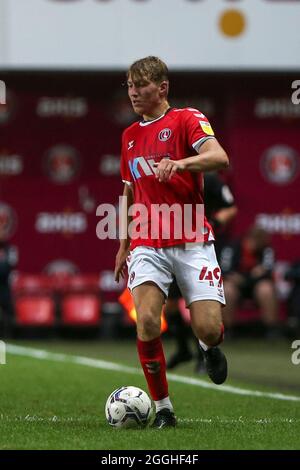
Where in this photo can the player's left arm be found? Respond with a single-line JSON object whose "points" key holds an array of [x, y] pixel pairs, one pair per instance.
{"points": [[211, 156]]}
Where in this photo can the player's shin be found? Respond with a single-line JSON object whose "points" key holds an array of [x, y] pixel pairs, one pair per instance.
{"points": [[153, 362]]}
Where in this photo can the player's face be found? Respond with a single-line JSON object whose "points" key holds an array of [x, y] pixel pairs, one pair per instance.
{"points": [[145, 96]]}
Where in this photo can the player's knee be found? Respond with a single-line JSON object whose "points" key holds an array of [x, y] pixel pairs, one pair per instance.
{"points": [[212, 334], [148, 326]]}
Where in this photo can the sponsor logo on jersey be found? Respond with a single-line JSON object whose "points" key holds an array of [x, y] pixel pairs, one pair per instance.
{"points": [[165, 134], [280, 164], [206, 127], [139, 164], [130, 144]]}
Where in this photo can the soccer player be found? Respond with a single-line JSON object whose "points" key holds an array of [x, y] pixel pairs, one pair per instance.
{"points": [[163, 158], [220, 209]]}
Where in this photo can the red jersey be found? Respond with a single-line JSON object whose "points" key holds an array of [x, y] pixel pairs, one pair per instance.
{"points": [[178, 134]]}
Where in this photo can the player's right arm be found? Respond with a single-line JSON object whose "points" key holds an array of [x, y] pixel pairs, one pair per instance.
{"points": [[124, 237], [127, 201]]}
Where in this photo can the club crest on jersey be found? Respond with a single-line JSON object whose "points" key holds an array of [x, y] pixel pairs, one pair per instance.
{"points": [[165, 134]]}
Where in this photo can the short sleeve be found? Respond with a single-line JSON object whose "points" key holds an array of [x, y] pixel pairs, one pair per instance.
{"points": [[198, 128], [125, 171]]}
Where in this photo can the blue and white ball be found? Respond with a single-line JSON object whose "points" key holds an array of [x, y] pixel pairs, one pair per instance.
{"points": [[128, 407]]}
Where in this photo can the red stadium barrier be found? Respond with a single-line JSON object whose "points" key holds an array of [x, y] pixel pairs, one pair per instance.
{"points": [[35, 311], [80, 310], [37, 297]]}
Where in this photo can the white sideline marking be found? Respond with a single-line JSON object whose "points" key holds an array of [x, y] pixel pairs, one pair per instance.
{"points": [[99, 364], [240, 420], [88, 419]]}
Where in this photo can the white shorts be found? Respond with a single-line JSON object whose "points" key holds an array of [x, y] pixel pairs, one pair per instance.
{"points": [[194, 265]]}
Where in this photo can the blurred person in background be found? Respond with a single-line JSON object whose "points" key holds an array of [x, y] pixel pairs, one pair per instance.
{"points": [[8, 261], [162, 158], [247, 267], [220, 209], [293, 301]]}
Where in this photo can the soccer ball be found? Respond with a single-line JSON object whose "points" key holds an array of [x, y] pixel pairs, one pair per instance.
{"points": [[128, 407]]}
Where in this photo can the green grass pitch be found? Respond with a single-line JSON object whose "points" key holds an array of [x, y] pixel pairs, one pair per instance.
{"points": [[58, 403]]}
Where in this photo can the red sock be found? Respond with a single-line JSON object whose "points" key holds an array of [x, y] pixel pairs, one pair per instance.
{"points": [[153, 362]]}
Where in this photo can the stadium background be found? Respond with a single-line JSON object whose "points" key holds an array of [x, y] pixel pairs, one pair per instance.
{"points": [[63, 63], [66, 109]]}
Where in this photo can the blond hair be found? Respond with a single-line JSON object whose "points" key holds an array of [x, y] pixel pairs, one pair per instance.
{"points": [[149, 68]]}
